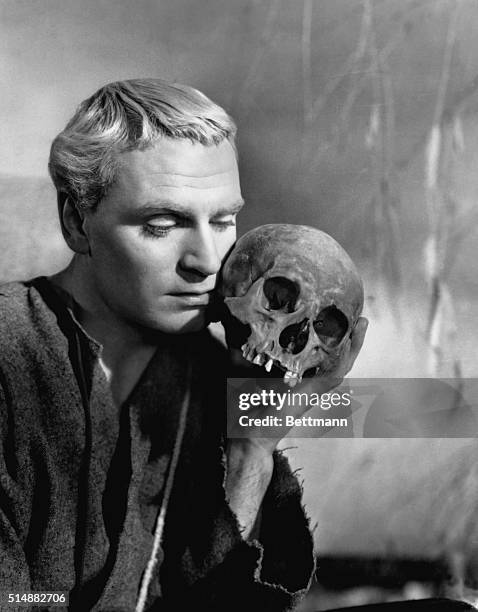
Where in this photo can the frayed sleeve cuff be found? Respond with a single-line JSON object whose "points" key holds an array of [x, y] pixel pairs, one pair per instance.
{"points": [[269, 573]]}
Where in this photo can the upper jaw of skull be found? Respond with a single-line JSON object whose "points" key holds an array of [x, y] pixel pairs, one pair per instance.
{"points": [[286, 339]]}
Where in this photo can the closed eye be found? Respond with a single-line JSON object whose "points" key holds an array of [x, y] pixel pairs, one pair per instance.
{"points": [[162, 225], [222, 223]]}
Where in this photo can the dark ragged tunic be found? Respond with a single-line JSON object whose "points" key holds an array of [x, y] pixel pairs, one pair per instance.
{"points": [[81, 481]]}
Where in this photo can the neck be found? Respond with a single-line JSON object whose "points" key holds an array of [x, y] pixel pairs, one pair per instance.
{"points": [[126, 350]]}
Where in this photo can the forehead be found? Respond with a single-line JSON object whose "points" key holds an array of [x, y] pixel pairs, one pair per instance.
{"points": [[179, 167]]}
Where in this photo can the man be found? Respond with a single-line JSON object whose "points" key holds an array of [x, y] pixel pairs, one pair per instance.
{"points": [[112, 389]]}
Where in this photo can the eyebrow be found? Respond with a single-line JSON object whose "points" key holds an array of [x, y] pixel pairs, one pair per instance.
{"points": [[168, 206]]}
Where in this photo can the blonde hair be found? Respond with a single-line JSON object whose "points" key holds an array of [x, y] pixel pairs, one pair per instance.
{"points": [[124, 116]]}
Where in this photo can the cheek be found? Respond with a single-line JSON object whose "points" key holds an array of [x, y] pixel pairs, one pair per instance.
{"points": [[127, 255], [225, 242]]}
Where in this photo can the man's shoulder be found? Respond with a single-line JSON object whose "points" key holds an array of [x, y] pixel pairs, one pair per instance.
{"points": [[14, 303], [13, 289], [23, 312]]}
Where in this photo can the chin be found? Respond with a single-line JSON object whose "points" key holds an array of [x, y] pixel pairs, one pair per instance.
{"points": [[183, 323]]}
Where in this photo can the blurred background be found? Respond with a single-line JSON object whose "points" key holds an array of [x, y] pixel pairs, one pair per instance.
{"points": [[355, 116]]}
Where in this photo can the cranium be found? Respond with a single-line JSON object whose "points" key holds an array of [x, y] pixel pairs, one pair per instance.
{"points": [[293, 297]]}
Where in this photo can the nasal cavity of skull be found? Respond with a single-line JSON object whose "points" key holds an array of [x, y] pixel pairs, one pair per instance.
{"points": [[331, 326], [281, 293], [294, 337]]}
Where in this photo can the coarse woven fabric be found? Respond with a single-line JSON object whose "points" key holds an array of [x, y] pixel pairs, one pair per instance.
{"points": [[81, 481]]}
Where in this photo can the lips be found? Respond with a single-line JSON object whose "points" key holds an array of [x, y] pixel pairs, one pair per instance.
{"points": [[193, 298]]}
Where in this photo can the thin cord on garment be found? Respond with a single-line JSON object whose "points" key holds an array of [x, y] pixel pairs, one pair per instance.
{"points": [[160, 520], [83, 502]]}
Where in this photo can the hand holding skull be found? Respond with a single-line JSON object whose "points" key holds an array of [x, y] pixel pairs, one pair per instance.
{"points": [[293, 300]]}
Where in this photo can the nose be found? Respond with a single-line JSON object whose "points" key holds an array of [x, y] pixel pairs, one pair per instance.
{"points": [[201, 256]]}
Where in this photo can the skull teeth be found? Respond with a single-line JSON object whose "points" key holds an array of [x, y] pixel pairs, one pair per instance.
{"points": [[259, 359], [292, 378], [247, 352]]}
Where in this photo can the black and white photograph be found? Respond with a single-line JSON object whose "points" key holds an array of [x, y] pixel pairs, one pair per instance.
{"points": [[239, 305]]}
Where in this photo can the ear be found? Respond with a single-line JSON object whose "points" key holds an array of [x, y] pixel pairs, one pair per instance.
{"points": [[72, 222]]}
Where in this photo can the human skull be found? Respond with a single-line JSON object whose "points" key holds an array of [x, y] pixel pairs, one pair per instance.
{"points": [[293, 297]]}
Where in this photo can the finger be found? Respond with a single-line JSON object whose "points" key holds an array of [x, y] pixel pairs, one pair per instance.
{"points": [[356, 342], [358, 336]]}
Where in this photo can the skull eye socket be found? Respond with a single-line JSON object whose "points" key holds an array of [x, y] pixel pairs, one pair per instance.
{"points": [[331, 326], [281, 293], [294, 337]]}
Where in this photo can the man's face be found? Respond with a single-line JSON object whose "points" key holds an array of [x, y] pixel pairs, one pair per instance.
{"points": [[158, 239]]}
